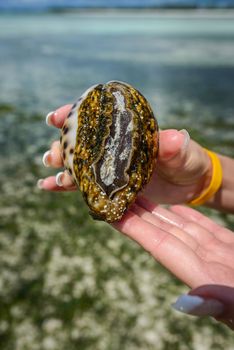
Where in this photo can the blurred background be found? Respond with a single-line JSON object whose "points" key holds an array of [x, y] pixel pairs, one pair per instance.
{"points": [[66, 281]]}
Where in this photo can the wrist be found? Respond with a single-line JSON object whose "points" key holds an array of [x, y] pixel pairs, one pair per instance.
{"points": [[205, 178], [212, 180], [223, 199]]}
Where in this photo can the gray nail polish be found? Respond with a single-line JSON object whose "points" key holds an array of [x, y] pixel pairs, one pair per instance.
{"points": [[198, 306], [58, 179], [186, 138], [48, 118], [40, 183], [45, 159]]}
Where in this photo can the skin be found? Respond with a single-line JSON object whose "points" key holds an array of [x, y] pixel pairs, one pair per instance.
{"points": [[202, 249]]}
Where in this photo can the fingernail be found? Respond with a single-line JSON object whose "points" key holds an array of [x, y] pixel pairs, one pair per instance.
{"points": [[40, 183], [198, 306], [186, 138], [48, 118], [58, 179], [45, 159]]}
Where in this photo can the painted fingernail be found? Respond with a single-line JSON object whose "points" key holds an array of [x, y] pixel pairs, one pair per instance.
{"points": [[48, 118], [198, 306], [58, 179], [45, 159], [40, 183], [186, 138]]}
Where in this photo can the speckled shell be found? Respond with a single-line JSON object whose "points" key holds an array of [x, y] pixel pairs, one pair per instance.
{"points": [[109, 145]]}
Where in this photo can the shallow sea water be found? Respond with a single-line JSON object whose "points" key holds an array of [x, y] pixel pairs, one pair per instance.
{"points": [[67, 281]]}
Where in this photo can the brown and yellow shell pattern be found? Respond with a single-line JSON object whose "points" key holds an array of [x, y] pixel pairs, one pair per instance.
{"points": [[109, 145]]}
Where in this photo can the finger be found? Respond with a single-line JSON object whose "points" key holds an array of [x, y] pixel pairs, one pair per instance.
{"points": [[171, 143], [197, 306], [200, 235], [199, 239], [53, 158], [64, 179], [54, 185], [161, 212], [221, 233], [164, 247], [57, 117], [181, 160], [223, 294], [211, 248], [166, 226]]}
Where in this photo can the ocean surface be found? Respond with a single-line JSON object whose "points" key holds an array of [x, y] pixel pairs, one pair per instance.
{"points": [[66, 281], [182, 62]]}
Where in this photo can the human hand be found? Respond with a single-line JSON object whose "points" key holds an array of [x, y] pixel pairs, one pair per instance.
{"points": [[192, 247], [182, 170], [198, 254]]}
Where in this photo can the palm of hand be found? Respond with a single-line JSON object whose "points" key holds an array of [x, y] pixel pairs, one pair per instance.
{"points": [[193, 247]]}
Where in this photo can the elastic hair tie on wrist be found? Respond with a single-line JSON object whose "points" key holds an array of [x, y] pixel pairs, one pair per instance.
{"points": [[215, 182]]}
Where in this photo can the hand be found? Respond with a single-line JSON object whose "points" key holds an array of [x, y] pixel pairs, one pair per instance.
{"points": [[193, 248], [182, 170], [198, 254]]}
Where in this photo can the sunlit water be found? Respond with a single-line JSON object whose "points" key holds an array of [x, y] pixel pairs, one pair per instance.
{"points": [[184, 64]]}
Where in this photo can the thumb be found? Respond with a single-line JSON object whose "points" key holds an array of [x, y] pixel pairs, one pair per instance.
{"points": [[181, 161], [173, 144], [209, 300]]}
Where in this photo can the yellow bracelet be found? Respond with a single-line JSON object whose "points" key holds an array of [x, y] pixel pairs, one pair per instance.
{"points": [[215, 182]]}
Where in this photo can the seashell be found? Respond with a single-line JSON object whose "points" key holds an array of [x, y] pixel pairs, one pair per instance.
{"points": [[109, 145]]}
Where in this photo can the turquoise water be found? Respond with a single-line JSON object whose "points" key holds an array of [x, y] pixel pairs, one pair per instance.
{"points": [[67, 282], [182, 62]]}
